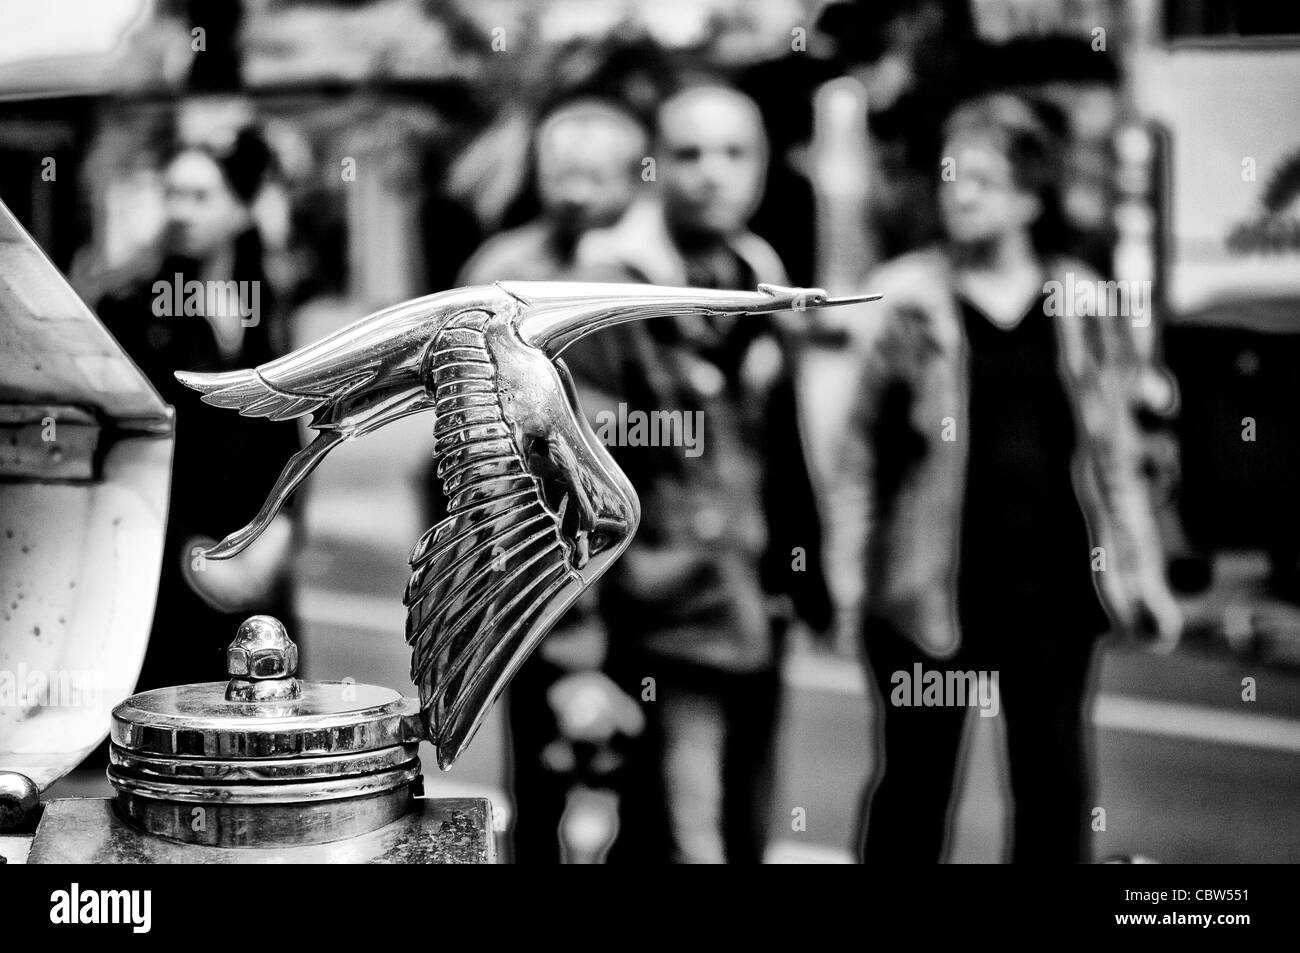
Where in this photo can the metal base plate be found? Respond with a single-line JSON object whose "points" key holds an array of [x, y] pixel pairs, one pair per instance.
{"points": [[436, 831]]}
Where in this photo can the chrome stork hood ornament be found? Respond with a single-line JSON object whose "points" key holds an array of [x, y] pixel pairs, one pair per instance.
{"points": [[537, 508]]}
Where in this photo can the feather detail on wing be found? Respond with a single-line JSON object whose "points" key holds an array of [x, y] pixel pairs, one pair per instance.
{"points": [[255, 392], [489, 580]]}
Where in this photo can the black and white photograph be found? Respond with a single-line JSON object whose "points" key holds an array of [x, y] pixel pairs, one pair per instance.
{"points": [[652, 432]]}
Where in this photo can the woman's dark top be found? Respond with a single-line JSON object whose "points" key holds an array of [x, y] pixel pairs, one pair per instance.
{"points": [[1025, 554], [223, 464]]}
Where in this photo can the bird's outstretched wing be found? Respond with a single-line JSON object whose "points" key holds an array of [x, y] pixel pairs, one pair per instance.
{"points": [[490, 579], [331, 378]]}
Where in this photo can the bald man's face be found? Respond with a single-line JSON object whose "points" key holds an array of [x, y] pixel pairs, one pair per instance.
{"points": [[713, 159], [587, 171]]}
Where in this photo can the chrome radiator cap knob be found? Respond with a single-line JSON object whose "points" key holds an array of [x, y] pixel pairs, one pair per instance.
{"points": [[262, 662], [264, 760]]}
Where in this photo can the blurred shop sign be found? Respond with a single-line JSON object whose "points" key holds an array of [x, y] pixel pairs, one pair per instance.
{"points": [[1219, 78], [1232, 210], [69, 47]]}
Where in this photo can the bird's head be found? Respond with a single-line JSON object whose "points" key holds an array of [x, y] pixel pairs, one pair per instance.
{"points": [[558, 313]]}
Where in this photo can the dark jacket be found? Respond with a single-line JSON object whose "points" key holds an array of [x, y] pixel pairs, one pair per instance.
{"points": [[902, 484], [729, 546], [223, 464]]}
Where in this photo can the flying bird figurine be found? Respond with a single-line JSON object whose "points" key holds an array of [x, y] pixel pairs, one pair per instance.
{"points": [[537, 508]]}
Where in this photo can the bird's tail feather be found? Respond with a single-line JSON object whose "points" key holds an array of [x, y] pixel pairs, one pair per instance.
{"points": [[299, 465], [248, 392]]}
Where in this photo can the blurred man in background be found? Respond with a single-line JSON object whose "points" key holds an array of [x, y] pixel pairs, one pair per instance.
{"points": [[210, 261], [588, 160], [728, 548], [588, 164]]}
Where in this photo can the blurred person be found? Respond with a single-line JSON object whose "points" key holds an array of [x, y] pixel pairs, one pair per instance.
{"points": [[200, 300], [588, 164], [997, 457], [634, 73], [905, 54], [450, 231], [728, 550], [853, 116]]}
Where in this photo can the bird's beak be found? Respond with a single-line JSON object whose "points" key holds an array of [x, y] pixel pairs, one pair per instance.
{"points": [[559, 313]]}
